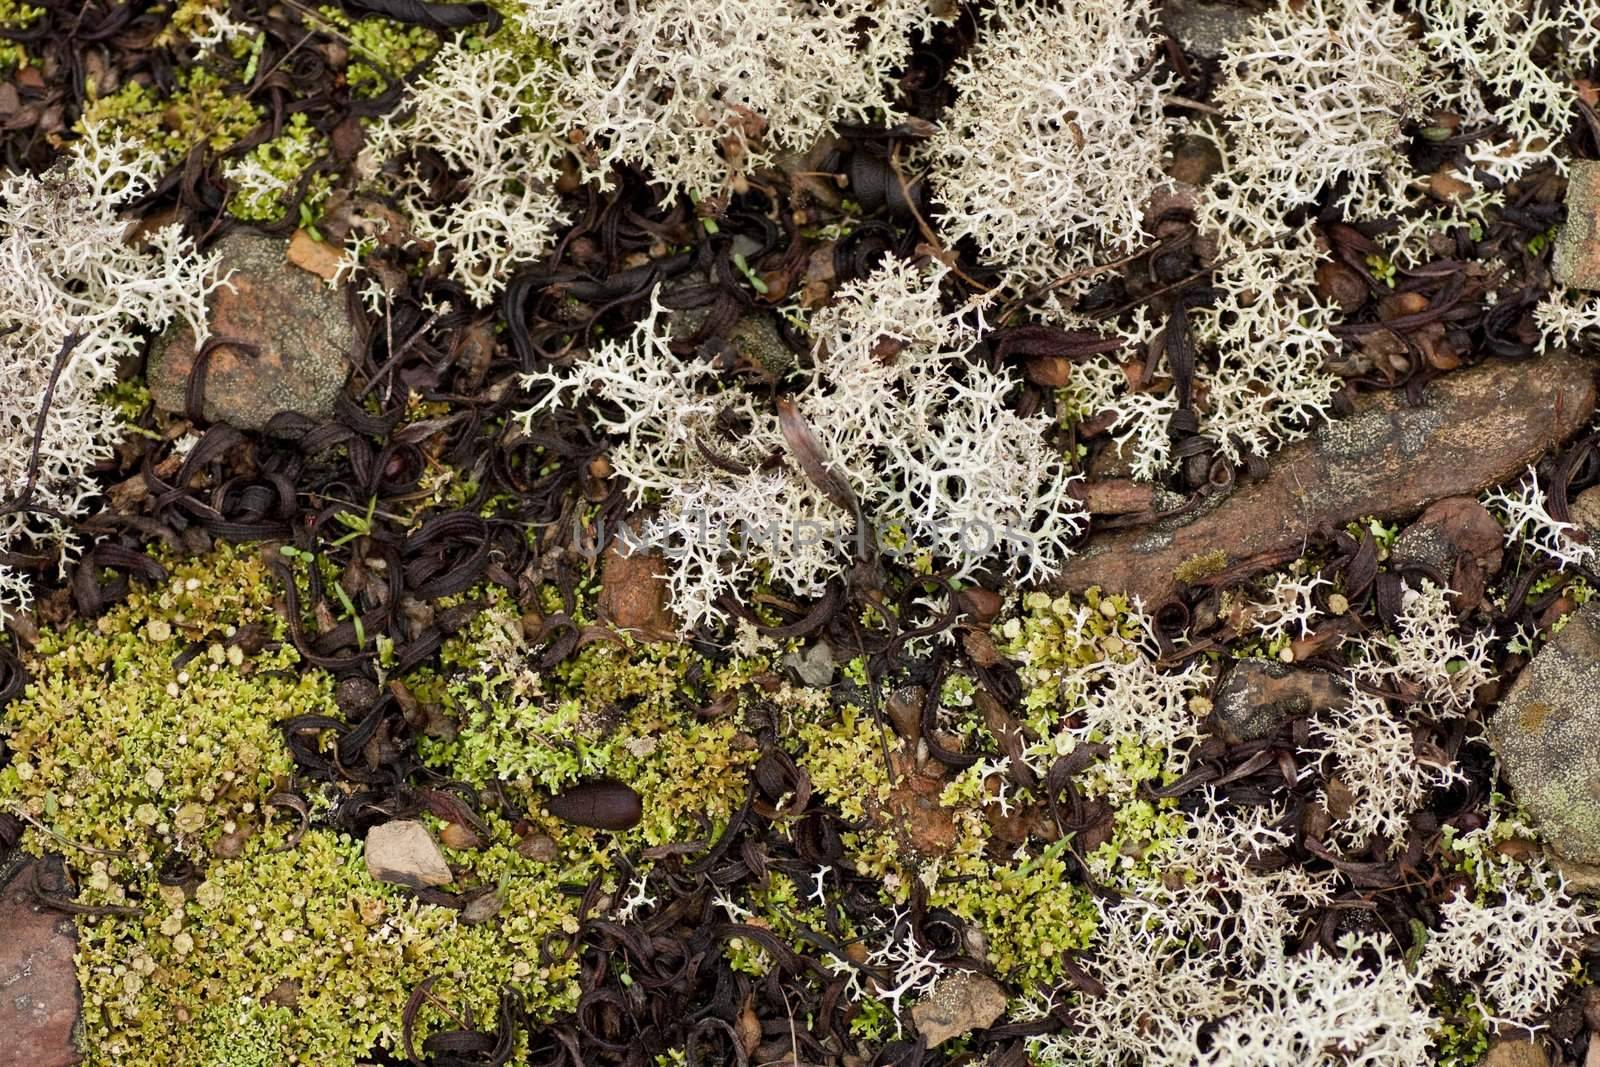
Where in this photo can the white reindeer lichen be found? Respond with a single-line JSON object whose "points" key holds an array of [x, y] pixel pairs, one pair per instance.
{"points": [[68, 271]]}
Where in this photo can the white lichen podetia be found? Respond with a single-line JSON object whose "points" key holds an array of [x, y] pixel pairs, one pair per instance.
{"points": [[1202, 940], [922, 436], [704, 94], [1049, 156], [482, 112], [68, 270], [1524, 506], [1494, 44], [1314, 94]]}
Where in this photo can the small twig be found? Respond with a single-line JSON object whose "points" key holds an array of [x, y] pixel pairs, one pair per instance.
{"points": [[30, 484], [928, 235], [262, 77], [1182, 282], [56, 902], [43, 829], [1175, 100], [1078, 275], [396, 354]]}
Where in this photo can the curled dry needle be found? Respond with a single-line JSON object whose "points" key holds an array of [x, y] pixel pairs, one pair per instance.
{"points": [[30, 480], [434, 16], [463, 1046]]}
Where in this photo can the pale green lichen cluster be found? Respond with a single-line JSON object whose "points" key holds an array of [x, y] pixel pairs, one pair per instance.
{"points": [[116, 748], [617, 709], [200, 111], [1054, 636], [203, 111], [1030, 911]]}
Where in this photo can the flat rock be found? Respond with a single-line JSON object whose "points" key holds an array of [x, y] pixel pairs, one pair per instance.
{"points": [[959, 1004], [1577, 255], [1460, 541], [299, 327], [402, 852], [814, 665], [1547, 735], [633, 592], [1519, 1052], [1259, 695], [38, 980], [1474, 428], [1585, 513], [1205, 29], [1448, 530]]}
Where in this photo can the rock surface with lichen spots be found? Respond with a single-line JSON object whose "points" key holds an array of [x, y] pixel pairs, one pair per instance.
{"points": [[1547, 735], [38, 980], [634, 594], [1459, 542], [1487, 422], [1577, 255], [959, 1004], [1259, 695], [298, 334]]}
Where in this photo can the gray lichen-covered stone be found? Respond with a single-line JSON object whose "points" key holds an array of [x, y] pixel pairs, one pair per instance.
{"points": [[1447, 529], [958, 1004], [297, 329], [1205, 29], [1260, 695], [1577, 253], [814, 665], [1547, 735], [1585, 513], [1459, 541]]}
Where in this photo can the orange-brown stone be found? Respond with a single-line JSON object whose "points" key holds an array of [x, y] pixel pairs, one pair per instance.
{"points": [[294, 341]]}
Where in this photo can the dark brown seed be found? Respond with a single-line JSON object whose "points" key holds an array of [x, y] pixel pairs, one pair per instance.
{"points": [[604, 804], [1052, 371], [1342, 285], [905, 710]]}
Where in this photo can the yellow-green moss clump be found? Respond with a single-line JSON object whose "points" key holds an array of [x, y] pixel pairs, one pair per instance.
{"points": [[208, 109], [147, 737], [270, 172], [15, 15], [617, 709], [1029, 913], [276, 952], [115, 747], [200, 111], [381, 50], [1072, 652]]}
